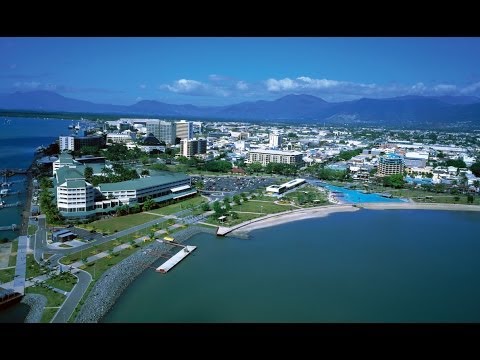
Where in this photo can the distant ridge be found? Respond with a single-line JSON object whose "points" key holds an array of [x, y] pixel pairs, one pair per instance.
{"points": [[433, 110]]}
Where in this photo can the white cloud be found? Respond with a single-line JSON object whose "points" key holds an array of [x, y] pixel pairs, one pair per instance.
{"points": [[142, 86], [13, 66], [216, 77], [241, 85], [471, 89], [194, 87]]}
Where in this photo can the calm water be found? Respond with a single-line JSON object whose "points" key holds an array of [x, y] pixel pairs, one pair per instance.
{"points": [[367, 266], [355, 196], [19, 137], [14, 314]]}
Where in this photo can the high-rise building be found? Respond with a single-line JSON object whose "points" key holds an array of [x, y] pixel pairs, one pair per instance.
{"points": [[66, 143], [390, 164], [184, 129], [162, 130], [275, 140], [188, 148]]}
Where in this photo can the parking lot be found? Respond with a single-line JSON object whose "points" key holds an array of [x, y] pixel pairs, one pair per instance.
{"points": [[234, 184], [82, 233]]}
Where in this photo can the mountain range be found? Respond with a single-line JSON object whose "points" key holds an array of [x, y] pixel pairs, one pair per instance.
{"points": [[404, 110]]}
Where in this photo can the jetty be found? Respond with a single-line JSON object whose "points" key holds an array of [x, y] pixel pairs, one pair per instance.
{"points": [[175, 259], [12, 227]]}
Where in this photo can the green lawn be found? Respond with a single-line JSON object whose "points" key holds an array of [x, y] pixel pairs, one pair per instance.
{"points": [[98, 267], [321, 198], [48, 315], [69, 259], [182, 205], [32, 229], [64, 281], [120, 223], [53, 299], [33, 268], [213, 219], [260, 207], [7, 275], [12, 261]]}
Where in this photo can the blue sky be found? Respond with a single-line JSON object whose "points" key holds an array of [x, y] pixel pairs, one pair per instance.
{"points": [[219, 71]]}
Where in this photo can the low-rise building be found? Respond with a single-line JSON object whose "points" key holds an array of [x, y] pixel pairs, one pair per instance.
{"points": [[265, 157]]}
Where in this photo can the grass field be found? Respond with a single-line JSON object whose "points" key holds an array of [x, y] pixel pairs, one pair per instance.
{"points": [[31, 229], [260, 207], [77, 256], [33, 268], [6, 275], [54, 299], [98, 267], [183, 205], [64, 281], [213, 219], [119, 223]]}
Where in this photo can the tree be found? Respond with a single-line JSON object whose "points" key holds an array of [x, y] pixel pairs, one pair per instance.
{"points": [[470, 198], [456, 163], [234, 215], [145, 172], [149, 204], [236, 199], [217, 208], [88, 173], [395, 181], [205, 207], [254, 167], [475, 168]]}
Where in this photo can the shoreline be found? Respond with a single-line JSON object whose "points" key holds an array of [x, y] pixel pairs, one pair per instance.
{"points": [[113, 282], [318, 212]]}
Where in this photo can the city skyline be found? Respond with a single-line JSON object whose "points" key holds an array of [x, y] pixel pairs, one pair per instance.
{"points": [[221, 71]]}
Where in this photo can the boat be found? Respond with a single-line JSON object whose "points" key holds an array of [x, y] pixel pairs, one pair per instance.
{"points": [[4, 192], [9, 297], [40, 149]]}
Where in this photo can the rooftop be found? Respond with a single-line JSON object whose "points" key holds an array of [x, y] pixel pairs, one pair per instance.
{"points": [[136, 184], [277, 152]]}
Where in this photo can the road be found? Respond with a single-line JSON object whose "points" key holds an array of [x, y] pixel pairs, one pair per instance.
{"points": [[40, 246], [67, 308]]}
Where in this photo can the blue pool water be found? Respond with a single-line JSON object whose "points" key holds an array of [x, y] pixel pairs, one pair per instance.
{"points": [[355, 196]]}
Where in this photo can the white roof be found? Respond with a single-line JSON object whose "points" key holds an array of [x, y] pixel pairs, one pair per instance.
{"points": [[277, 152], [180, 188]]}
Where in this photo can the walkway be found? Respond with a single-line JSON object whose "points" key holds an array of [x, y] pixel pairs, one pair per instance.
{"points": [[21, 266]]}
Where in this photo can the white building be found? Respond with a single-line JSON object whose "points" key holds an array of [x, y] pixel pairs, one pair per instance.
{"points": [[275, 140], [119, 138], [283, 157], [66, 143], [184, 129]]}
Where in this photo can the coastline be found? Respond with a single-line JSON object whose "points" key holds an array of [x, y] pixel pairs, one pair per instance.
{"points": [[318, 212], [277, 219], [113, 282], [25, 216]]}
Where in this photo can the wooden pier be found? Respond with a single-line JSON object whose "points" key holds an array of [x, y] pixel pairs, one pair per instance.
{"points": [[175, 259]]}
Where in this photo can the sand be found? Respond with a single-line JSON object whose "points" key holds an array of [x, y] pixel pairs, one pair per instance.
{"points": [[276, 219]]}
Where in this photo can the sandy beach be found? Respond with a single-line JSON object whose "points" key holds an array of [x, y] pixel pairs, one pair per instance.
{"points": [[277, 219]]}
